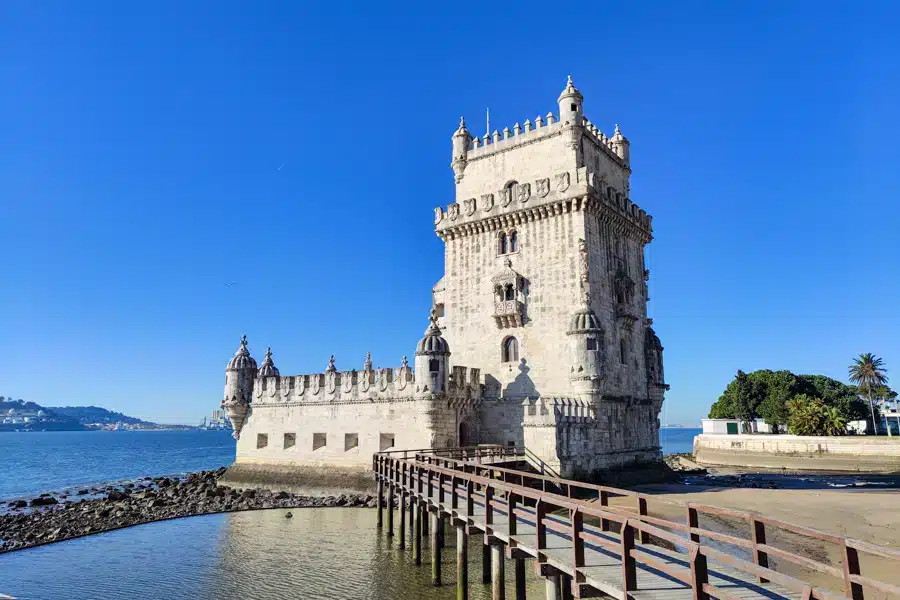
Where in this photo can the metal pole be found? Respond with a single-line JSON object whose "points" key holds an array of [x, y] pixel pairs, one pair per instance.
{"points": [[380, 502], [390, 510], [520, 578], [485, 563], [402, 529]]}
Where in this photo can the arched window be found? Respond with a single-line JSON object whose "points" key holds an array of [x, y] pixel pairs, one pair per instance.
{"points": [[433, 366], [504, 248], [508, 293], [510, 350], [514, 241]]}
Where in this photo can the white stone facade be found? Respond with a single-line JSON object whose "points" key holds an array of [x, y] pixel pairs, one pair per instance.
{"points": [[543, 296]]}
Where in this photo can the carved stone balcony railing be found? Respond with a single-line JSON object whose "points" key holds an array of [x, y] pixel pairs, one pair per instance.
{"points": [[626, 311], [508, 313]]}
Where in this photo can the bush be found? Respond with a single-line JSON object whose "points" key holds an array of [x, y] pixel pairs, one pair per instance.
{"points": [[808, 415]]}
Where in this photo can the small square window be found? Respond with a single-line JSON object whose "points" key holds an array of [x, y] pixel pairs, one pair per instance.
{"points": [[262, 440], [511, 443], [319, 440], [592, 343], [387, 441], [574, 107], [351, 440], [290, 439]]}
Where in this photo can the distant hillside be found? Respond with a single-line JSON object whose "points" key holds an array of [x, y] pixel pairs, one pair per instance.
{"points": [[18, 415], [94, 414]]}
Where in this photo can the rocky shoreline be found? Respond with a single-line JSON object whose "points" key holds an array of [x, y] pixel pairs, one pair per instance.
{"points": [[46, 519]]}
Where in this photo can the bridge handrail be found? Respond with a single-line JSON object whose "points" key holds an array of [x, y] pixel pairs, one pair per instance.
{"points": [[398, 471]]}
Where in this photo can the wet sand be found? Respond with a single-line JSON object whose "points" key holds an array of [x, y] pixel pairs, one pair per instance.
{"points": [[871, 515]]}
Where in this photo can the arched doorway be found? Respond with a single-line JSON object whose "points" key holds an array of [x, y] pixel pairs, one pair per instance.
{"points": [[464, 435]]}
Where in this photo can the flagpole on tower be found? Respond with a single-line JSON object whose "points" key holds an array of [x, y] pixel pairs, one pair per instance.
{"points": [[488, 121]]}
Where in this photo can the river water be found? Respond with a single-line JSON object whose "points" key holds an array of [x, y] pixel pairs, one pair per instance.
{"points": [[320, 553]]}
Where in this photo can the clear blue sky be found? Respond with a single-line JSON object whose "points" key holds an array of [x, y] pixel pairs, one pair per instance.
{"points": [[141, 147]]}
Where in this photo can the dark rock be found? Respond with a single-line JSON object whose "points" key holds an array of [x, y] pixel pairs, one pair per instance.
{"points": [[288, 515], [117, 496], [18, 504], [83, 492], [44, 501]]}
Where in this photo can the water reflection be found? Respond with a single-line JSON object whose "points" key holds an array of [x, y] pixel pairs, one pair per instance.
{"points": [[318, 554]]}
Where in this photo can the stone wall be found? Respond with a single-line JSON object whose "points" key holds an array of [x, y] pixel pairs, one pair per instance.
{"points": [[803, 453]]}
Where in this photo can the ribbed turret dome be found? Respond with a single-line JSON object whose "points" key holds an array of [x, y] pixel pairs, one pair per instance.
{"points": [[242, 359], [570, 91], [433, 343], [267, 368], [584, 320]]}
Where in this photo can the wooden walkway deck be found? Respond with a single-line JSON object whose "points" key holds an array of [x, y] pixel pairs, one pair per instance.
{"points": [[622, 554]]}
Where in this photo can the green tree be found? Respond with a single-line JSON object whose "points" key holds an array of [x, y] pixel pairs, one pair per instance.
{"points": [[868, 372], [748, 396]]}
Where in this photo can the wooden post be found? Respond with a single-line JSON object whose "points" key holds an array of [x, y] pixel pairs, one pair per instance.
{"points": [[604, 502], [761, 558], [380, 494], [462, 563], [439, 532], [435, 551], [412, 521], [551, 586], [699, 574], [485, 563], [425, 518], [642, 510], [390, 510], [511, 522], [851, 567], [629, 566], [402, 529], [417, 535], [577, 519], [565, 582], [693, 520], [520, 578], [540, 514], [498, 572]]}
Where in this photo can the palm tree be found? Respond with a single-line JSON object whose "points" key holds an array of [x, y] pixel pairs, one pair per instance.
{"points": [[868, 372]]}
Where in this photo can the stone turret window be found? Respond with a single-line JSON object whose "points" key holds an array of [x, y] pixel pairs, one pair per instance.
{"points": [[434, 366], [592, 343], [510, 350], [508, 292], [514, 241], [623, 351]]}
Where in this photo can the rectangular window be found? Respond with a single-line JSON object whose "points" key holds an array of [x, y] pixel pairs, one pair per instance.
{"points": [[439, 310], [262, 440], [351, 440], [386, 441], [623, 352], [592, 343], [319, 440], [290, 439], [511, 443]]}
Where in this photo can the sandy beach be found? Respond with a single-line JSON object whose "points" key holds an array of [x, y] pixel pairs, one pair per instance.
{"points": [[872, 515]]}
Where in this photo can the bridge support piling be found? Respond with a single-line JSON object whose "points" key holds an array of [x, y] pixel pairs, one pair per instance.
{"points": [[401, 530], [417, 536], [498, 571], [462, 563], [390, 510], [565, 584], [412, 522], [485, 563], [435, 550], [425, 520], [439, 531], [520, 578], [380, 494], [551, 586]]}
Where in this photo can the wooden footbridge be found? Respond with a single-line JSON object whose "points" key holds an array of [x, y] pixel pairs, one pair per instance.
{"points": [[586, 546]]}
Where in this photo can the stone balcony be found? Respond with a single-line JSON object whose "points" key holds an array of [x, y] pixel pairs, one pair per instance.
{"points": [[626, 311], [508, 313]]}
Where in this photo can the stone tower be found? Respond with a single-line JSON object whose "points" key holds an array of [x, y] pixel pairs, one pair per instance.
{"points": [[544, 277]]}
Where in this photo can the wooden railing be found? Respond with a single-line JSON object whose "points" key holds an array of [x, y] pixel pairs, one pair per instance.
{"points": [[537, 497]]}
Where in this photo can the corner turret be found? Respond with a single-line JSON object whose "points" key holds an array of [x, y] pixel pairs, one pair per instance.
{"points": [[570, 105], [585, 338], [621, 146], [432, 360], [239, 377], [462, 140]]}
